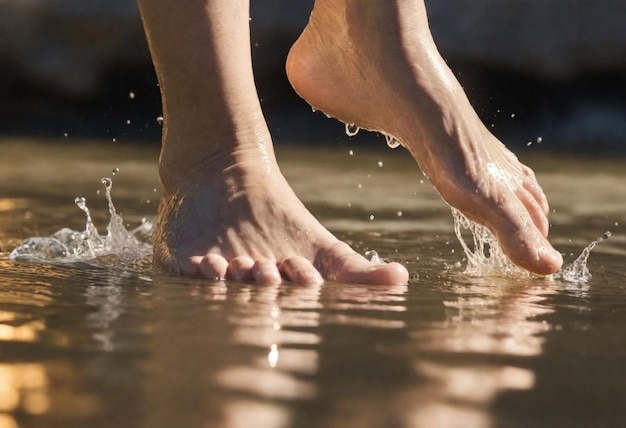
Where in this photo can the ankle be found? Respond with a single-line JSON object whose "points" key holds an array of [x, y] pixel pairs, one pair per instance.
{"points": [[190, 157]]}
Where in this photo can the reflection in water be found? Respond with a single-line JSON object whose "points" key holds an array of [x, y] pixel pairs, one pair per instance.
{"points": [[498, 318], [100, 346], [279, 321], [485, 318], [23, 386], [107, 301], [264, 350]]}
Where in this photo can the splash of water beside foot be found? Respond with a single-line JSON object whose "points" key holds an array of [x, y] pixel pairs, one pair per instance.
{"points": [[118, 246], [577, 271], [374, 258], [484, 257]]}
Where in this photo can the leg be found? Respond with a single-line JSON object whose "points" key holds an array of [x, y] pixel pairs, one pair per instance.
{"points": [[374, 63], [227, 210]]}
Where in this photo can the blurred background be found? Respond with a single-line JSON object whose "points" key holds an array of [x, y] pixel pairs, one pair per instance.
{"points": [[532, 68]]}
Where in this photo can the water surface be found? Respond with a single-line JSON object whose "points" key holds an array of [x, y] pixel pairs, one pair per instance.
{"points": [[107, 344]]}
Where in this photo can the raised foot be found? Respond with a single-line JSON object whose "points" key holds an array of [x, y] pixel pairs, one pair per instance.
{"points": [[394, 81]]}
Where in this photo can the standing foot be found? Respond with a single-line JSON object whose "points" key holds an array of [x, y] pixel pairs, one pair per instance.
{"points": [[237, 218]]}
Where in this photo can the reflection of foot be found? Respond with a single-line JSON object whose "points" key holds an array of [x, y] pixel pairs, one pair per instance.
{"points": [[236, 217], [374, 64]]}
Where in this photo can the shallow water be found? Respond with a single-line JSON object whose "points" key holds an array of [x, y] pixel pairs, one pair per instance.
{"points": [[110, 344]]}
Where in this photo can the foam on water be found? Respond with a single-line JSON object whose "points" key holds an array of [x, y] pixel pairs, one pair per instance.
{"points": [[118, 246]]}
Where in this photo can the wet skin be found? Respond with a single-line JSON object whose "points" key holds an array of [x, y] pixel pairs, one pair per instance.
{"points": [[227, 210]]}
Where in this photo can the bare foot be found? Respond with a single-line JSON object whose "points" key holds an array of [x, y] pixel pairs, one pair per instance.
{"points": [[374, 64], [236, 217]]}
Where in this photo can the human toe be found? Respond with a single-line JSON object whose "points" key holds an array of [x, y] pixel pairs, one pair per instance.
{"points": [[531, 185], [240, 268], [211, 266], [355, 269], [265, 272], [529, 249], [535, 211], [300, 271]]}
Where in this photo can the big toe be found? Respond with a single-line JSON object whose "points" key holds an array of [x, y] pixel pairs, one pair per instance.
{"points": [[350, 267], [531, 251]]}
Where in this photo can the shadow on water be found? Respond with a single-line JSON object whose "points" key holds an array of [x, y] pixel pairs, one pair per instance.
{"points": [[89, 344]]}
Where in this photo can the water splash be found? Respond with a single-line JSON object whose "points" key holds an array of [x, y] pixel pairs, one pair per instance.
{"points": [[577, 271], [374, 258], [484, 257], [118, 247]]}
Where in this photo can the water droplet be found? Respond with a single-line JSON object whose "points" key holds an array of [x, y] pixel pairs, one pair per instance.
{"points": [[392, 142], [351, 152], [313, 109], [127, 121], [351, 129], [115, 170], [528, 144], [371, 217], [159, 120], [380, 164], [374, 258], [512, 115], [107, 182], [539, 140], [399, 213], [131, 95]]}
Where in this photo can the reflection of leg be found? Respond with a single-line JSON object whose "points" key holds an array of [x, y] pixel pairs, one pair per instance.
{"points": [[374, 63], [227, 210]]}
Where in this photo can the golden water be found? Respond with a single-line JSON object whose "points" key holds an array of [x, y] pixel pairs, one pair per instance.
{"points": [[93, 343]]}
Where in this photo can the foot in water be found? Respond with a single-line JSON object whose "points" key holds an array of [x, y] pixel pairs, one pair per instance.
{"points": [[374, 64], [240, 220], [227, 211]]}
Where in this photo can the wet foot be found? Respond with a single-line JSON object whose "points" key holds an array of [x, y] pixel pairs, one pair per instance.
{"points": [[374, 64], [235, 217]]}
